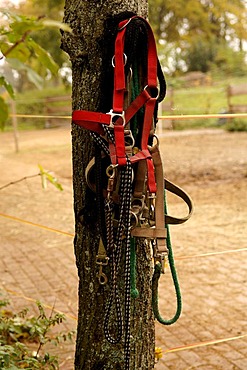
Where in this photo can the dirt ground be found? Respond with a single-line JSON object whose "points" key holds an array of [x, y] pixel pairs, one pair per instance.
{"points": [[211, 165]]}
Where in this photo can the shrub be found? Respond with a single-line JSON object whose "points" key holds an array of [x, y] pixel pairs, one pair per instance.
{"points": [[236, 125], [20, 334]]}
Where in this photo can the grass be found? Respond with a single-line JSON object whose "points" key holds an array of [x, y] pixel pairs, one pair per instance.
{"points": [[204, 100], [191, 100], [33, 102]]}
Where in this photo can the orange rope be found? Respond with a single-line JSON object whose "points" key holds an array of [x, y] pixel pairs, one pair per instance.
{"points": [[195, 116], [35, 300], [72, 235], [173, 117], [210, 254], [38, 116], [37, 225], [170, 350], [202, 344]]}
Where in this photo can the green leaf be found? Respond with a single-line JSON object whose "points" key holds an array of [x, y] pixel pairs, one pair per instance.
{"points": [[20, 52], [33, 77], [25, 26], [47, 176], [15, 63], [43, 56], [4, 112], [8, 86], [56, 24]]}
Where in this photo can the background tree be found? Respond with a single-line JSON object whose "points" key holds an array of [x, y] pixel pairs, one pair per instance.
{"points": [[22, 54], [86, 49], [188, 27], [48, 37]]}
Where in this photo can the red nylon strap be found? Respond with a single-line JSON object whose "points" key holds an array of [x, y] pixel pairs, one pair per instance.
{"points": [[119, 75], [113, 155], [120, 145], [94, 120], [148, 120], [91, 120], [142, 154], [139, 101], [152, 57]]}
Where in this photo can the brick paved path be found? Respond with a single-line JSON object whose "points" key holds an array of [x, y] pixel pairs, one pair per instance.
{"points": [[40, 264]]}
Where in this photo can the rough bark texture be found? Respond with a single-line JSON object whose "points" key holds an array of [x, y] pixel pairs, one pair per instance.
{"points": [[84, 46]]}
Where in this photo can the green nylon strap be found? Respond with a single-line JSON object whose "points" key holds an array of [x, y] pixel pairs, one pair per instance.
{"points": [[155, 281]]}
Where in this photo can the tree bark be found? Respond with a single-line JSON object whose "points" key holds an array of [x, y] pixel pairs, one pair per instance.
{"points": [[84, 47]]}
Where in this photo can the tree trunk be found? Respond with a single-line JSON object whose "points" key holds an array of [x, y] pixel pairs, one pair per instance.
{"points": [[85, 47]]}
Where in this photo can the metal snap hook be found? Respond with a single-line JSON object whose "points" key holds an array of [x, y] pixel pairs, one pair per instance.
{"points": [[102, 278], [111, 171]]}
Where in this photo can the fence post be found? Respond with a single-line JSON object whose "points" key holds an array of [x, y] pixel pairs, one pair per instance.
{"points": [[15, 125]]}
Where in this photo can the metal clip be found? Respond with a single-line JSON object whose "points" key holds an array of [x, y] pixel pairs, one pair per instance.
{"points": [[151, 206], [161, 258], [114, 118], [111, 173], [102, 261]]}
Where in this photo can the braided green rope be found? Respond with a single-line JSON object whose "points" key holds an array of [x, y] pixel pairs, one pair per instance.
{"points": [[133, 290], [155, 281]]}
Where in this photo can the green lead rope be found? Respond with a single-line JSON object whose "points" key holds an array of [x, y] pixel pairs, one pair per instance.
{"points": [[133, 290], [155, 281], [157, 269]]}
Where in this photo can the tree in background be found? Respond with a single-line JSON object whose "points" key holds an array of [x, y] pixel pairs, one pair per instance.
{"points": [[190, 31], [21, 55], [48, 38]]}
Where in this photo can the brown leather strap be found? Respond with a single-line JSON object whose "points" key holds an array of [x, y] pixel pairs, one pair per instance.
{"points": [[172, 188], [159, 232], [140, 179], [176, 190], [159, 200], [149, 232]]}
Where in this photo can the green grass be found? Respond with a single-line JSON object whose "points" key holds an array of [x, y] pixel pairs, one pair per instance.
{"points": [[203, 100], [33, 102], [192, 100]]}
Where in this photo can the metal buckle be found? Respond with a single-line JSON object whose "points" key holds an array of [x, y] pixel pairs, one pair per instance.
{"points": [[113, 115]]}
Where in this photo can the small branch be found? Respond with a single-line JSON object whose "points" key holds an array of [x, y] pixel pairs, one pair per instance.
{"points": [[22, 39], [20, 180], [46, 329]]}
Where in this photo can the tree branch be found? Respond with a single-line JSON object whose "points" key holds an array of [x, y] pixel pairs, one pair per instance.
{"points": [[17, 181]]}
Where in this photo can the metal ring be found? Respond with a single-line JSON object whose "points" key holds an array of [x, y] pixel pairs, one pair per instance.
{"points": [[157, 140], [135, 219], [152, 87], [125, 60]]}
